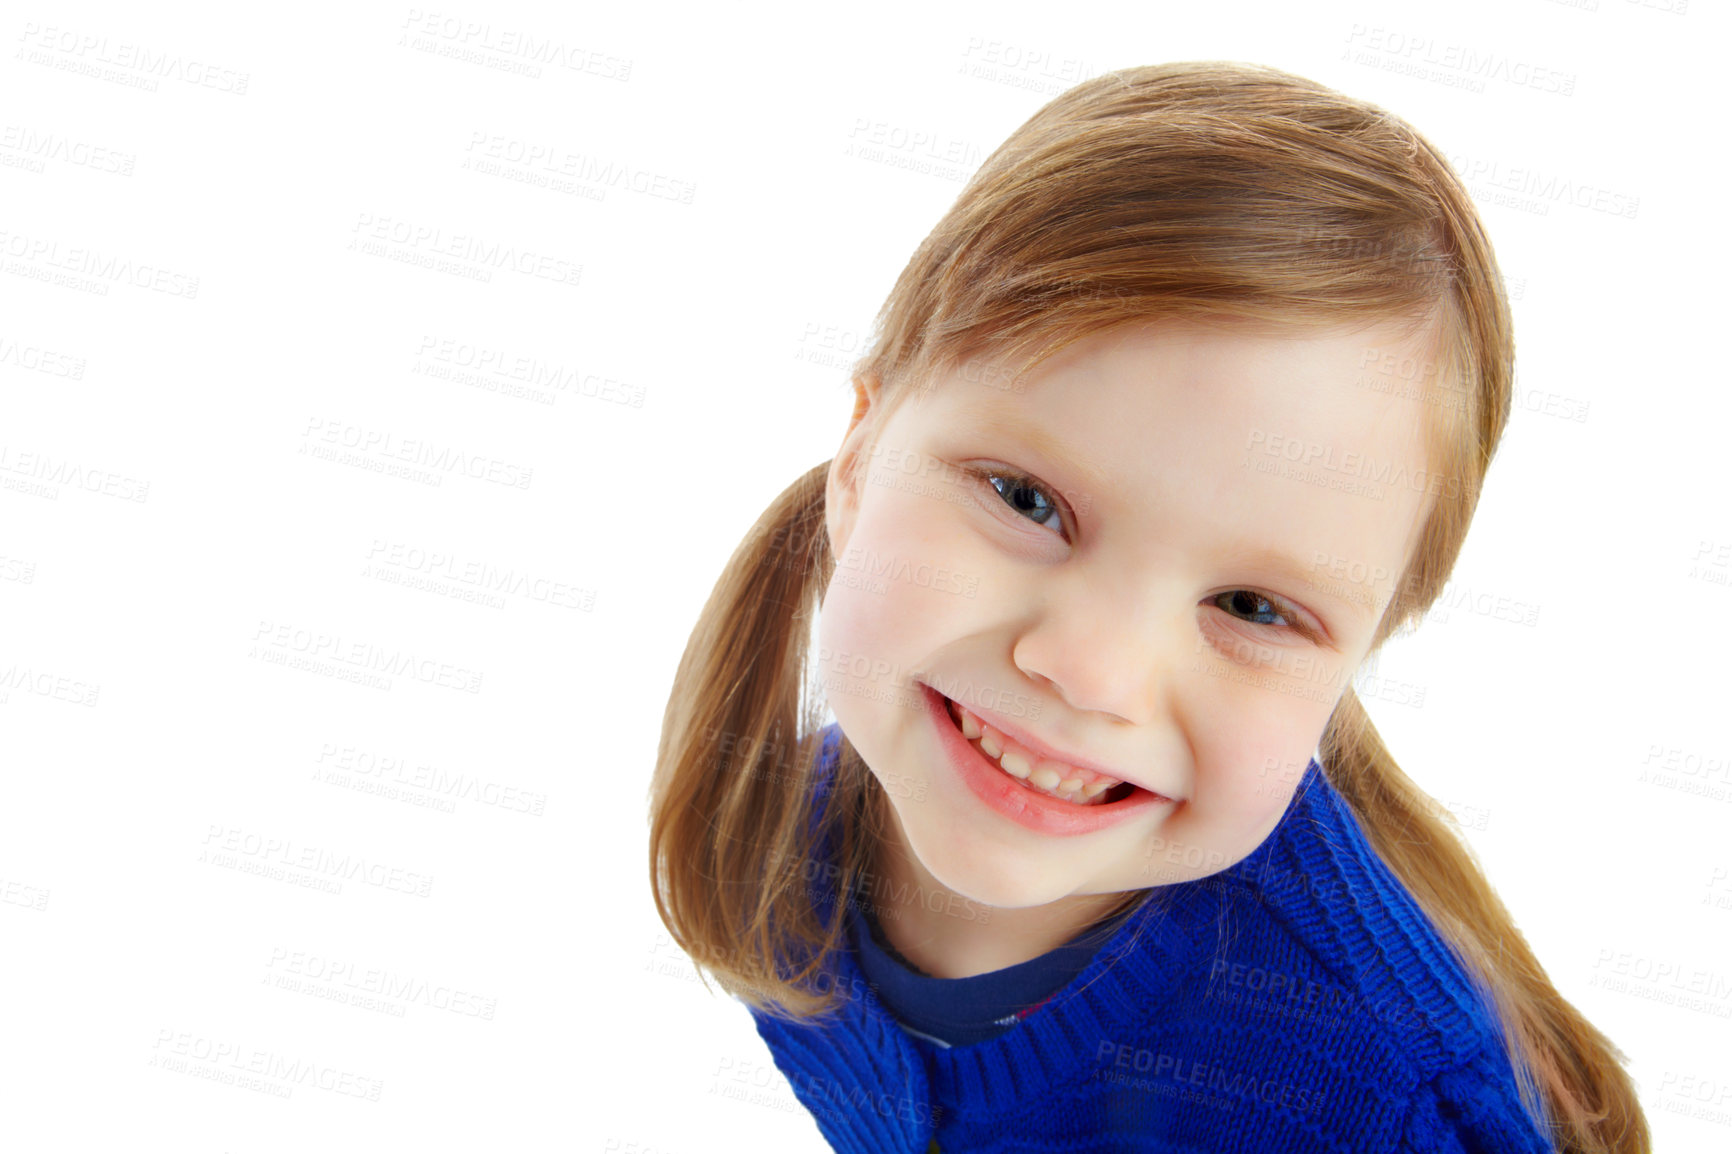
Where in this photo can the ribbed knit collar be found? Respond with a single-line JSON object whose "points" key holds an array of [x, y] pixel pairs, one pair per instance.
{"points": [[961, 1011], [997, 1074]]}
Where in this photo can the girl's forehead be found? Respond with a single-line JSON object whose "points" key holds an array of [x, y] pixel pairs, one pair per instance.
{"points": [[1357, 380]]}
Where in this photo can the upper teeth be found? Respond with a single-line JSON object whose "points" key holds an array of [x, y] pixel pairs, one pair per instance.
{"points": [[1054, 777]]}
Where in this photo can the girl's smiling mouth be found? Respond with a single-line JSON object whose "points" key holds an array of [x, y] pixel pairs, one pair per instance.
{"points": [[1050, 775], [1040, 793]]}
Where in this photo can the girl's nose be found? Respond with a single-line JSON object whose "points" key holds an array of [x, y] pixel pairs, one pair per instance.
{"points": [[1119, 657]]}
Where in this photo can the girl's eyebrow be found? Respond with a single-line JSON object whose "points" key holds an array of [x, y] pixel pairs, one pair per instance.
{"points": [[998, 423]]}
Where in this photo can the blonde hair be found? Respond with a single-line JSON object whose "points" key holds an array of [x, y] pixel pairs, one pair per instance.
{"points": [[1207, 191]]}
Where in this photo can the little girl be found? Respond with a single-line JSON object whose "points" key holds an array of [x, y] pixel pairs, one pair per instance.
{"points": [[1179, 413]]}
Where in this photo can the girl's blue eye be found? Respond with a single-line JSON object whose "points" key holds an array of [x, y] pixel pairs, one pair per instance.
{"points": [[1243, 597], [1292, 621], [1023, 494]]}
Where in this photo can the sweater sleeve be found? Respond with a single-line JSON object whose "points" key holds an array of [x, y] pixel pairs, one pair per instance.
{"points": [[1472, 1110]]}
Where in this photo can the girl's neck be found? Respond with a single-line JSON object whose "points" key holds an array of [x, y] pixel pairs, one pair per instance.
{"points": [[947, 935]]}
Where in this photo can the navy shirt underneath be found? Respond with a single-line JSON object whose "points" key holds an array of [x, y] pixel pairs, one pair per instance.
{"points": [[961, 1011]]}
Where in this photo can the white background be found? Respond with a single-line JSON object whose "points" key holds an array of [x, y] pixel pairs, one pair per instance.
{"points": [[171, 539]]}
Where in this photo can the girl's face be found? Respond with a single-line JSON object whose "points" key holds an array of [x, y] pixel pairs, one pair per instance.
{"points": [[1163, 553]]}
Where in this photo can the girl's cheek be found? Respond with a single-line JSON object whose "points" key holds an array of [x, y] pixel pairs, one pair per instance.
{"points": [[1220, 827], [845, 622], [1247, 771], [1263, 787]]}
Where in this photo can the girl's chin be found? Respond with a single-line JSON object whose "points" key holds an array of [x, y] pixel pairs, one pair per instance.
{"points": [[977, 878]]}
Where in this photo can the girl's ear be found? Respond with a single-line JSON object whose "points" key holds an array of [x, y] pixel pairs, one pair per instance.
{"points": [[848, 468]]}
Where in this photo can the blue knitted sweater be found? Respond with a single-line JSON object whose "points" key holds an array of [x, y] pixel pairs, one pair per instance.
{"points": [[1299, 1001]]}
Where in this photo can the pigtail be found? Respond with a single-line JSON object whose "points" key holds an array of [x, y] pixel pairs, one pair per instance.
{"points": [[731, 800], [1568, 1072]]}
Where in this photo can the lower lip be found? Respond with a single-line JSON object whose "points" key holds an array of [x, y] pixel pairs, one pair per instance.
{"points": [[1035, 811]]}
